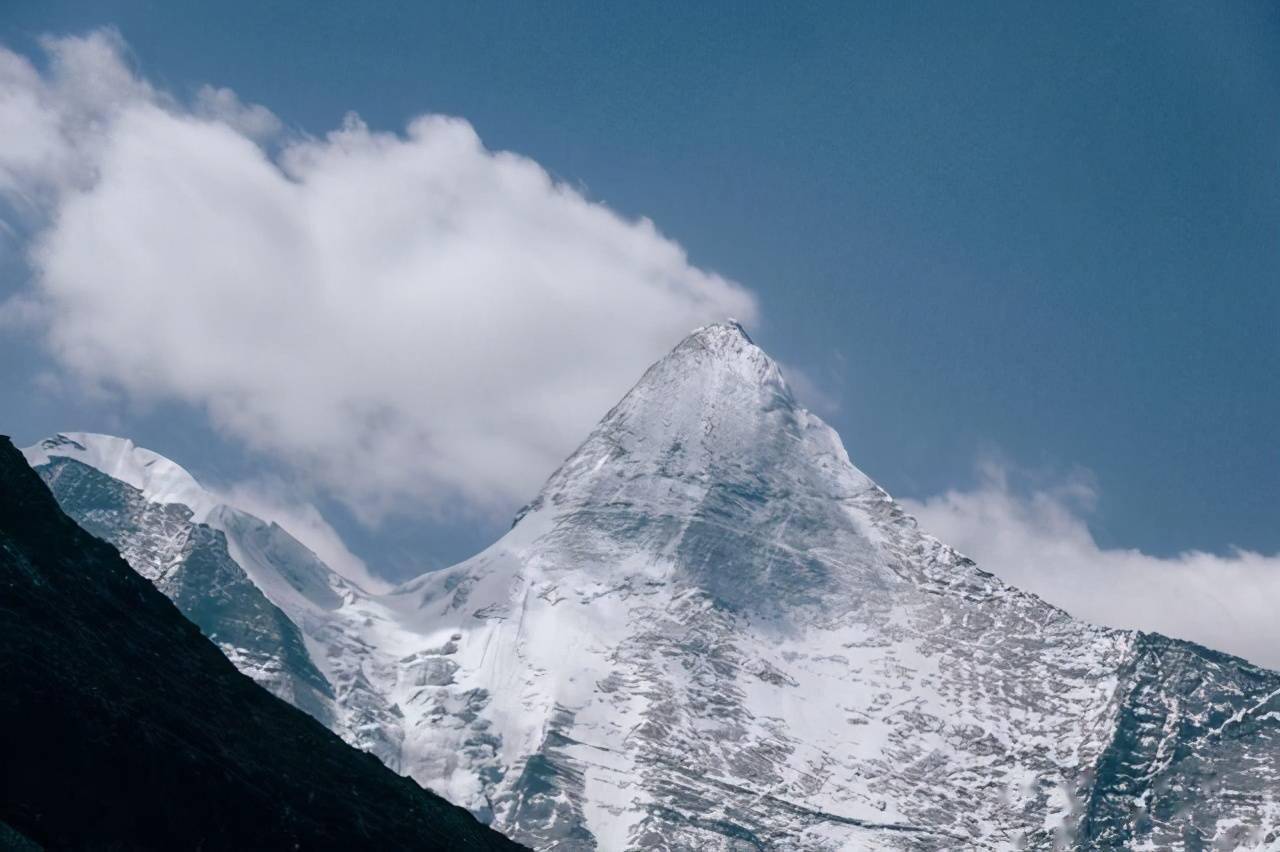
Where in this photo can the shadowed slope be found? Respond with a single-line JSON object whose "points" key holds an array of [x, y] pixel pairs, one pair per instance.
{"points": [[122, 727]]}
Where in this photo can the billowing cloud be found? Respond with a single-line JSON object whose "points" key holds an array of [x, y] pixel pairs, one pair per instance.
{"points": [[1040, 541], [223, 105], [410, 319]]}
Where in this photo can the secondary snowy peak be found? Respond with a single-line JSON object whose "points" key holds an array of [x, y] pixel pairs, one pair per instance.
{"points": [[159, 479], [164, 482], [265, 599], [125, 729]]}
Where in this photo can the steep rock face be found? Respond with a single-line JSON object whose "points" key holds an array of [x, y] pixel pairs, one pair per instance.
{"points": [[1194, 760], [711, 631], [122, 727]]}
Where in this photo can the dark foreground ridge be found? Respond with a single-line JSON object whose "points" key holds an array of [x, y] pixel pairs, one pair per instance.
{"points": [[122, 727]]}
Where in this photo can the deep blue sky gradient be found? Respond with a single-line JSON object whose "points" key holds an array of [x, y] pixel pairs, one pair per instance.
{"points": [[1044, 232]]}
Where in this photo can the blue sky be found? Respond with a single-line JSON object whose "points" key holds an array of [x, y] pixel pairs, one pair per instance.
{"points": [[1043, 235]]}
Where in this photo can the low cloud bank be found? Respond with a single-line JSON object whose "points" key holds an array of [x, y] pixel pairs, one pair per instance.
{"points": [[1040, 541]]}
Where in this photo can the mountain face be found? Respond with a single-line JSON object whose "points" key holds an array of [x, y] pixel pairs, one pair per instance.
{"points": [[711, 631], [122, 727]]}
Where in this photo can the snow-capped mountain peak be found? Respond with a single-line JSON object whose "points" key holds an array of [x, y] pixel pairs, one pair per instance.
{"points": [[711, 631], [716, 408]]}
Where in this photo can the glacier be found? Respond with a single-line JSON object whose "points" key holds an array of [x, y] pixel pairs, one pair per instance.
{"points": [[710, 630]]}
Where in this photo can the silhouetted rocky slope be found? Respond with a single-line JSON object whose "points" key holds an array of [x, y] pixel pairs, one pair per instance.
{"points": [[121, 726]]}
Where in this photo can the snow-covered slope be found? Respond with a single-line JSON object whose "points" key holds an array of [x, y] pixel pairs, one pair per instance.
{"points": [[157, 478], [711, 631]]}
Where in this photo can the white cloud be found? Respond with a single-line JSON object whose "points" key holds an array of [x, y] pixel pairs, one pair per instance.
{"points": [[52, 123], [223, 105], [21, 311], [1041, 542], [410, 319]]}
